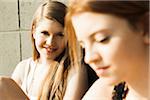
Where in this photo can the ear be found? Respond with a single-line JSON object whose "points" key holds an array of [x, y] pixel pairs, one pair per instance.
{"points": [[33, 32], [145, 26], [147, 38]]}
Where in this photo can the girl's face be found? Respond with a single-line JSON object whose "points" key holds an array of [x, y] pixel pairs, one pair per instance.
{"points": [[112, 48], [49, 39]]}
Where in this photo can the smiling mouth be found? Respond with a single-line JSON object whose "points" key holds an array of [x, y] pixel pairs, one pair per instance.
{"points": [[51, 50]]}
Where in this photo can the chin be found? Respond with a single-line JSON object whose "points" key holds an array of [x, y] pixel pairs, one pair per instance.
{"points": [[50, 57], [111, 81]]}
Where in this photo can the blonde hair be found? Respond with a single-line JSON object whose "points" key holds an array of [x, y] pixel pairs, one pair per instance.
{"points": [[52, 10], [54, 84]]}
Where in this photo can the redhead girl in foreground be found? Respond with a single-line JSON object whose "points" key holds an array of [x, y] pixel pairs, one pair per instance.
{"points": [[115, 36]]}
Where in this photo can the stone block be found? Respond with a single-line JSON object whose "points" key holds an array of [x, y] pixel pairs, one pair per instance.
{"points": [[9, 52], [26, 47], [63, 1], [8, 15], [27, 10]]}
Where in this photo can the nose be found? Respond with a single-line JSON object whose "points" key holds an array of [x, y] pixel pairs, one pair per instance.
{"points": [[49, 40], [92, 56]]}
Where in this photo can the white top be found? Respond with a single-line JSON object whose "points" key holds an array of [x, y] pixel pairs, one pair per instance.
{"points": [[24, 72]]}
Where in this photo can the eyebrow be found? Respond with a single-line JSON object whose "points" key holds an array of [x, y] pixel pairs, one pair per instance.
{"points": [[98, 31], [101, 31]]}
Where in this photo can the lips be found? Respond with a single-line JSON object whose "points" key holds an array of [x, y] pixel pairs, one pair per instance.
{"points": [[50, 49], [102, 71], [102, 68]]}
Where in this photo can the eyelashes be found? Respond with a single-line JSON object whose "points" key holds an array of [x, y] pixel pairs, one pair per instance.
{"points": [[45, 33], [60, 34], [104, 39], [101, 40]]}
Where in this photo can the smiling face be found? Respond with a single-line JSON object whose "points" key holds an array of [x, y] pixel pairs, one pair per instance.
{"points": [[49, 39], [113, 49]]}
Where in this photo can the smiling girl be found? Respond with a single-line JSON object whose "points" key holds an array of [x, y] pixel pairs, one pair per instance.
{"points": [[48, 75]]}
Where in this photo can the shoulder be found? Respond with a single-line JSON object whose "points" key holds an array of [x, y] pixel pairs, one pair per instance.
{"points": [[98, 90], [23, 64], [21, 68], [25, 61]]}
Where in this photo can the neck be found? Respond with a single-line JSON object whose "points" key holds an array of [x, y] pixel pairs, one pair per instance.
{"points": [[138, 88], [135, 94], [45, 62], [138, 83]]}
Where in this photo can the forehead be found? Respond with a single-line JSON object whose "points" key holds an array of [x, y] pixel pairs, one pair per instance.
{"points": [[87, 23], [49, 25]]}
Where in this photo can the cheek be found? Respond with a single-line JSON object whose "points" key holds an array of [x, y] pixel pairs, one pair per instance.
{"points": [[62, 45], [59, 43], [39, 41], [112, 53], [119, 56]]}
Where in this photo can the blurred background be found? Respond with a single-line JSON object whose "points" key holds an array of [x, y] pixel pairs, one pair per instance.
{"points": [[15, 22]]}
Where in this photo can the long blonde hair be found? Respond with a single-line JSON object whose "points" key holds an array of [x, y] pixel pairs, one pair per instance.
{"points": [[56, 81], [54, 84]]}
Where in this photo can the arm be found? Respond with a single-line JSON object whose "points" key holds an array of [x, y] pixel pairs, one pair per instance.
{"points": [[9, 90], [77, 84]]}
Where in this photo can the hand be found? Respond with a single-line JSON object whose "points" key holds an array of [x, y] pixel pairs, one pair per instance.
{"points": [[9, 90]]}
